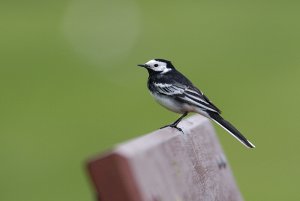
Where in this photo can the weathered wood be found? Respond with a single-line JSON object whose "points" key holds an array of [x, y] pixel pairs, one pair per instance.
{"points": [[166, 165]]}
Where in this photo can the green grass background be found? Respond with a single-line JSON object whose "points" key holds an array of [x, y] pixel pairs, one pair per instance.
{"points": [[70, 87]]}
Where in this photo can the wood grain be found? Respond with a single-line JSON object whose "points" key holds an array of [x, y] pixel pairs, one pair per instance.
{"points": [[166, 165]]}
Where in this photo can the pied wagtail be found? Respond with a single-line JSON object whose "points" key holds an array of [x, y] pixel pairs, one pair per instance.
{"points": [[174, 91]]}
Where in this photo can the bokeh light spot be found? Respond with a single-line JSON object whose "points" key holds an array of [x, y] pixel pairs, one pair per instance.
{"points": [[101, 30]]}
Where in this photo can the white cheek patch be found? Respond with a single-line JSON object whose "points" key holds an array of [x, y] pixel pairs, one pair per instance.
{"points": [[166, 70], [160, 68]]}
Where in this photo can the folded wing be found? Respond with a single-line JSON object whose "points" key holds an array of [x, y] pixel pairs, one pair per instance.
{"points": [[187, 95]]}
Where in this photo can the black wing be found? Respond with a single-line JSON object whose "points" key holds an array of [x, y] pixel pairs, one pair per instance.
{"points": [[187, 94]]}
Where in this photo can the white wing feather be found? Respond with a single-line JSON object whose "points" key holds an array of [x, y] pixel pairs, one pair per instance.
{"points": [[185, 94]]}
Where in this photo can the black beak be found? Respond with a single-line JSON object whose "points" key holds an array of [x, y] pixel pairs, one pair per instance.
{"points": [[143, 65]]}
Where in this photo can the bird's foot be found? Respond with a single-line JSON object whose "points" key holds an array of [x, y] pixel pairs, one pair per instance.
{"points": [[173, 126]]}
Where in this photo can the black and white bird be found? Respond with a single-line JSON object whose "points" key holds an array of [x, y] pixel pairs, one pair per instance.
{"points": [[174, 91]]}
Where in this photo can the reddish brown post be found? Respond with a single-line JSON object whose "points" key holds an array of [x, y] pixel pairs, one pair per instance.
{"points": [[166, 165]]}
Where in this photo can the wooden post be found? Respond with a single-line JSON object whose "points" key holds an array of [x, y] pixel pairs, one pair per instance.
{"points": [[166, 165]]}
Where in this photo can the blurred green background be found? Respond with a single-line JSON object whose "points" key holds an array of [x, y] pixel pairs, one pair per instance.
{"points": [[70, 87]]}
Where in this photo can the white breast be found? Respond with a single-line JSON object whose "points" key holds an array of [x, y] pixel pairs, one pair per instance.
{"points": [[169, 103]]}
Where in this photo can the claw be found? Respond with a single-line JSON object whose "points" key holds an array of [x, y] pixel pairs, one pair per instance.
{"points": [[173, 126], [176, 127], [164, 127]]}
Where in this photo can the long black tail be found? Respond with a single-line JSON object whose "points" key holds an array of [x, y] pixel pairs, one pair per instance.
{"points": [[230, 129]]}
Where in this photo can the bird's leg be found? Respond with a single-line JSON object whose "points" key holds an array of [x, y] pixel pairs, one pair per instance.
{"points": [[174, 125]]}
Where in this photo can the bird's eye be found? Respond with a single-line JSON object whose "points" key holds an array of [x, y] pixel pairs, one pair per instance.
{"points": [[155, 65]]}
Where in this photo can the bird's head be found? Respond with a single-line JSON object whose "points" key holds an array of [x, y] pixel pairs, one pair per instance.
{"points": [[158, 66]]}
